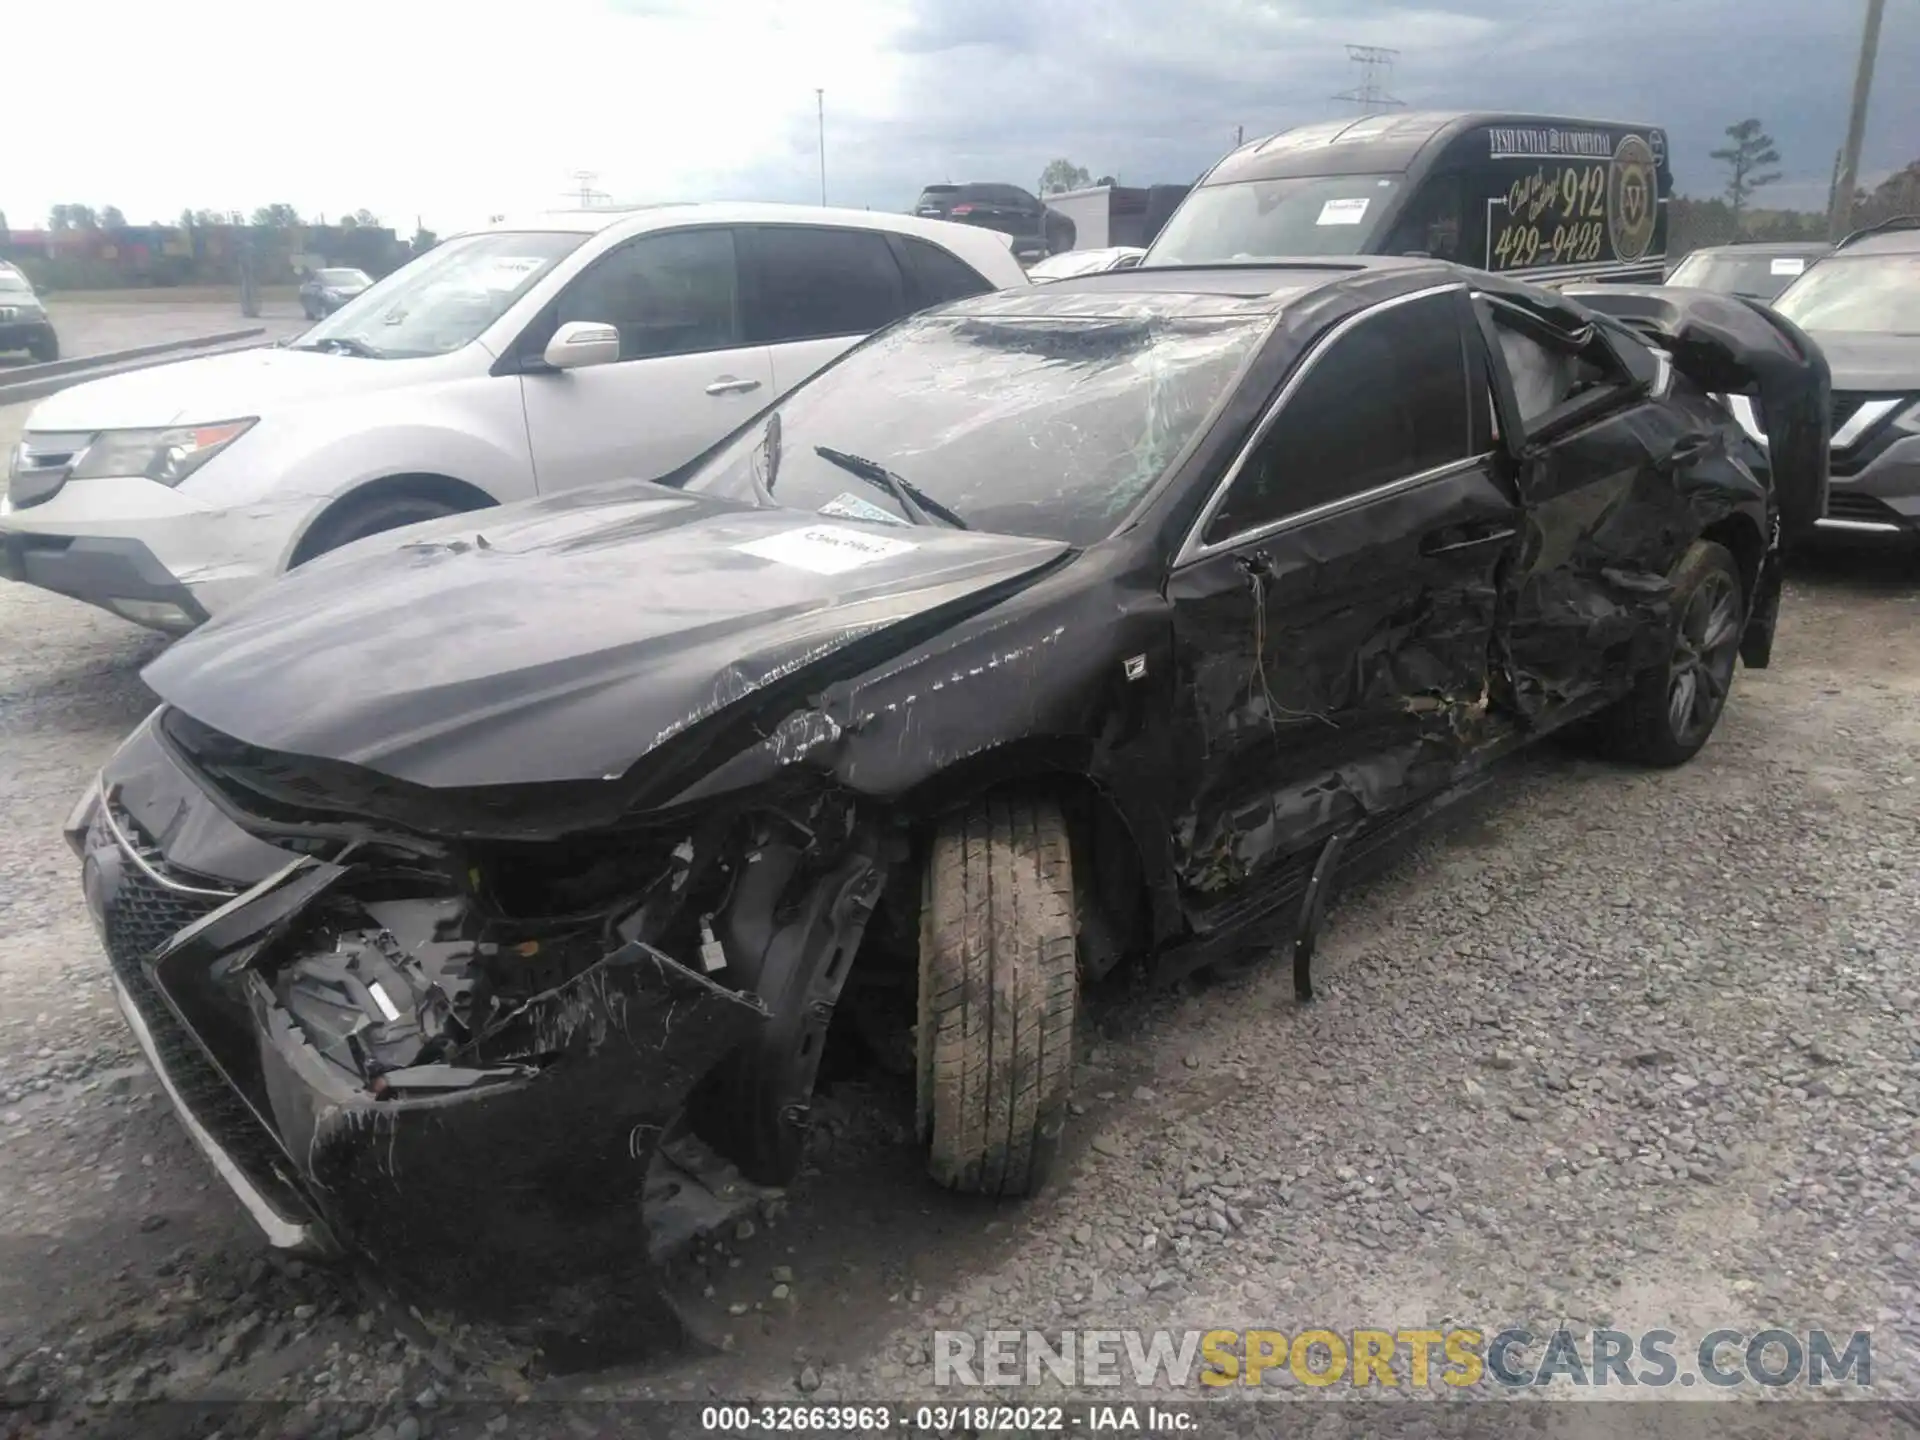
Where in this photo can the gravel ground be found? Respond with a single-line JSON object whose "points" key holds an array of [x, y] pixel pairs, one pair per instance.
{"points": [[1620, 1049]]}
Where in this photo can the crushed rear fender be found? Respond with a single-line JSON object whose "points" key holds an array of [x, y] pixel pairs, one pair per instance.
{"points": [[1728, 345]]}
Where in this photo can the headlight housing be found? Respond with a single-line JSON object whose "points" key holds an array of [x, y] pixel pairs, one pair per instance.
{"points": [[167, 456]]}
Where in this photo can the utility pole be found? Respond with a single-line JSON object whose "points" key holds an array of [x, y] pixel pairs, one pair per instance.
{"points": [[820, 102], [1371, 93], [1841, 213], [1239, 136]]}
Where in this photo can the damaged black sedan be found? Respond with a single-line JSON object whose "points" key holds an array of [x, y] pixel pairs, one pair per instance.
{"points": [[485, 889]]}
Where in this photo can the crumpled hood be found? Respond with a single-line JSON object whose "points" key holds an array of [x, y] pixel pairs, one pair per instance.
{"points": [[207, 388], [564, 638], [1870, 362]]}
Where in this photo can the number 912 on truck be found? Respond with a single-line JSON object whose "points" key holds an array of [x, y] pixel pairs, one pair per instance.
{"points": [[1546, 198]]}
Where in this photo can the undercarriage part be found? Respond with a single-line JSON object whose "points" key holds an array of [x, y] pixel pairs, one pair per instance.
{"points": [[520, 1197], [795, 957], [1313, 912], [998, 992]]}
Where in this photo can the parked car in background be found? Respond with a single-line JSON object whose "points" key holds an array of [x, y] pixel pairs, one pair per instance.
{"points": [[24, 323], [1108, 215], [1056, 634], [1543, 197], [1084, 262], [325, 291], [1759, 270], [1036, 231], [517, 360], [1861, 304]]}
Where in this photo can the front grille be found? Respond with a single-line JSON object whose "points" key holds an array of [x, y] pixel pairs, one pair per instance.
{"points": [[1843, 505], [1845, 402], [41, 465], [144, 914]]}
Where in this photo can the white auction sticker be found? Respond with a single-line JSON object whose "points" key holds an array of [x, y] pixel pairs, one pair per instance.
{"points": [[1343, 212], [1787, 265], [826, 549], [845, 506]]}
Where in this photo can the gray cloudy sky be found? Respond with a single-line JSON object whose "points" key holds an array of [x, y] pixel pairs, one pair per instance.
{"points": [[1152, 89], [450, 110]]}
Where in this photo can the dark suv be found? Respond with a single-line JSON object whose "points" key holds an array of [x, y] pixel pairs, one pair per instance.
{"points": [[23, 318], [1037, 231], [1862, 305]]}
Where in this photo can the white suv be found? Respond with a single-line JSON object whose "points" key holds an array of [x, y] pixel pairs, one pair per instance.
{"points": [[513, 361]]}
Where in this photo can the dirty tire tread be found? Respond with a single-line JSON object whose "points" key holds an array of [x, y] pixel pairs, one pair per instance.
{"points": [[997, 996], [1635, 729]]}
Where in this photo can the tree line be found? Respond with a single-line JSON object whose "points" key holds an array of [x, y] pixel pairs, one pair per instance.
{"points": [[65, 218]]}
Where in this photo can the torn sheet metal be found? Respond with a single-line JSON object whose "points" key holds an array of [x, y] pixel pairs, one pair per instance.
{"points": [[496, 1194], [1732, 345]]}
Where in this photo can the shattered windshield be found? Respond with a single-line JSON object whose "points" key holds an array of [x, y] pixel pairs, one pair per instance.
{"points": [[1254, 220], [445, 298], [1870, 294], [1044, 426]]}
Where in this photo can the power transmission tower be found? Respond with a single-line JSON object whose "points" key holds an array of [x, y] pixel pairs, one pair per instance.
{"points": [[587, 196], [1376, 68]]}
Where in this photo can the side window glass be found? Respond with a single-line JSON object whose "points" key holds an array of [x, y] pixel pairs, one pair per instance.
{"points": [[1431, 224], [811, 283], [1546, 377], [1387, 400], [675, 293], [940, 276], [1543, 379]]}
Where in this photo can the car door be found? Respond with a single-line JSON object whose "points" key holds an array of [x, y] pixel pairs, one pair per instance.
{"points": [[685, 375], [813, 291], [1594, 453], [1335, 606]]}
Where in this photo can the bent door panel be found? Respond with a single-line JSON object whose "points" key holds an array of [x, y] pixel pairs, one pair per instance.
{"points": [[1333, 625], [1605, 522]]}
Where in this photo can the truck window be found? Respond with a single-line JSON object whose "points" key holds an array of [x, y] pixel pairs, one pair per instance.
{"points": [[1274, 219], [1431, 224]]}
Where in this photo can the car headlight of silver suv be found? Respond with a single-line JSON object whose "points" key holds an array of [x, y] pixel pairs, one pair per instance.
{"points": [[167, 456]]}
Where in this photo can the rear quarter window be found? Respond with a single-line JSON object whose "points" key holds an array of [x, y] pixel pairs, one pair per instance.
{"points": [[939, 275]]}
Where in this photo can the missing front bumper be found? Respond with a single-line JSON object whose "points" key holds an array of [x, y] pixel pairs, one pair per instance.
{"points": [[543, 1200]]}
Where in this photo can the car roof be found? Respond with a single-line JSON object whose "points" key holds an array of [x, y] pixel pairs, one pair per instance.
{"points": [[1898, 236], [640, 218], [1373, 143], [1763, 247], [1263, 289], [979, 247]]}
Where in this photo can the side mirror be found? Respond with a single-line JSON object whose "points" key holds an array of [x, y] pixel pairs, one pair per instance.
{"points": [[1128, 262], [580, 343]]}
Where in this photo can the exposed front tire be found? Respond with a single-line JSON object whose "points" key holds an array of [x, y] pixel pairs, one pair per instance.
{"points": [[998, 991], [356, 521], [1672, 709], [45, 351]]}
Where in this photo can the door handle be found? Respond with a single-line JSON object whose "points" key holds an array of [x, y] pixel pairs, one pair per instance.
{"points": [[1688, 450], [1464, 537], [729, 385]]}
